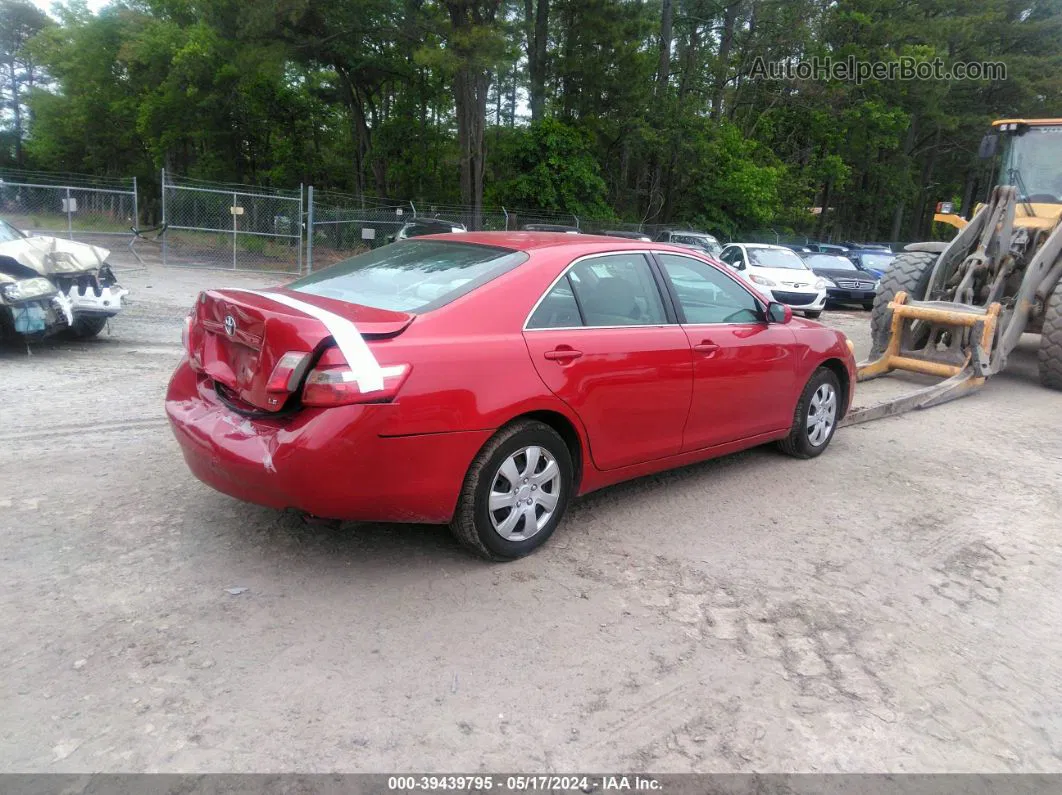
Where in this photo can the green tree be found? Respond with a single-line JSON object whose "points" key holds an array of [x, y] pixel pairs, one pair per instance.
{"points": [[19, 72], [551, 166]]}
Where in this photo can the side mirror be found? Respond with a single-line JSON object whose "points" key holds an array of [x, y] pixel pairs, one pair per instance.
{"points": [[988, 146], [778, 313]]}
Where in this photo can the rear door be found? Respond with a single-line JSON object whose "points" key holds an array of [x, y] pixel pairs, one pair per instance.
{"points": [[603, 342], [744, 368]]}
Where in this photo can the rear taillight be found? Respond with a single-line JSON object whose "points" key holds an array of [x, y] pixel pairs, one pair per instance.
{"points": [[338, 386], [186, 341], [288, 372]]}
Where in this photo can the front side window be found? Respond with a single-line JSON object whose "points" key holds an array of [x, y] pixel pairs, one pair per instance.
{"points": [[776, 258], [411, 275], [877, 261], [617, 290], [9, 233], [1031, 163], [731, 255], [706, 295]]}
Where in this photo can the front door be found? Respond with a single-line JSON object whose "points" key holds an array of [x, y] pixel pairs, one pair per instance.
{"points": [[744, 375]]}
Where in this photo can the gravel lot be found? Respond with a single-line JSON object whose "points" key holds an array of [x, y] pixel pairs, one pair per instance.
{"points": [[891, 606]]}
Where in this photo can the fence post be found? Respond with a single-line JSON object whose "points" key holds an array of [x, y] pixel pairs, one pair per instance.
{"points": [[69, 217], [576, 217], [506, 219], [309, 229], [411, 204], [299, 244], [235, 231], [164, 219]]}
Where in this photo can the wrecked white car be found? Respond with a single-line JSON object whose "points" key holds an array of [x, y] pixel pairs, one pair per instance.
{"points": [[50, 285]]}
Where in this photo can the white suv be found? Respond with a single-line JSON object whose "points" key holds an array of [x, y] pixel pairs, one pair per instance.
{"points": [[780, 275]]}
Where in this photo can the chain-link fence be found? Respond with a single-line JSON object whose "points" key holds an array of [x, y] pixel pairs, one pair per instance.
{"points": [[339, 225], [89, 209], [231, 226], [239, 227]]}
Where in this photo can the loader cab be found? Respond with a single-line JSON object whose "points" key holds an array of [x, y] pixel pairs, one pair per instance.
{"points": [[1030, 158]]}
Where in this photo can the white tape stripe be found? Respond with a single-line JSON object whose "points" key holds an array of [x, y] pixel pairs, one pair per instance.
{"points": [[348, 339]]}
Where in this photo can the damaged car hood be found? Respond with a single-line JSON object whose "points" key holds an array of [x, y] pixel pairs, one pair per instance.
{"points": [[52, 255]]}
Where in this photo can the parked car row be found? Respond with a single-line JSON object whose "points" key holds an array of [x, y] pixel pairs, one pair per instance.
{"points": [[693, 239], [811, 280]]}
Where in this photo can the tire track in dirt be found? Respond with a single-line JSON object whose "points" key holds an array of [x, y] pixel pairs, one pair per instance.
{"points": [[79, 428]]}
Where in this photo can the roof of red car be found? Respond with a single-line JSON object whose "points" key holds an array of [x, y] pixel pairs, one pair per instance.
{"points": [[528, 241]]}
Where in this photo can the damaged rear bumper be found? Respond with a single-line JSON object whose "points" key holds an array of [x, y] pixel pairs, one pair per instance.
{"points": [[330, 463]]}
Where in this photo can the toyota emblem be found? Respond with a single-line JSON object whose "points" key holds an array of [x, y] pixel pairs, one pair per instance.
{"points": [[230, 325]]}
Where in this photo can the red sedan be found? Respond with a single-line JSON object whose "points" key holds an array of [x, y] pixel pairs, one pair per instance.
{"points": [[483, 380]]}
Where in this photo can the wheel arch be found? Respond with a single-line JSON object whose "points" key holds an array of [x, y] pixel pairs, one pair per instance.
{"points": [[568, 431], [836, 366]]}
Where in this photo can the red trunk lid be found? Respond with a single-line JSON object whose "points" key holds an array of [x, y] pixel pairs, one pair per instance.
{"points": [[239, 336]]}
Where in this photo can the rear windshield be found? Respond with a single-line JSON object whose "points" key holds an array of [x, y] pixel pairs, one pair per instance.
{"points": [[411, 275]]}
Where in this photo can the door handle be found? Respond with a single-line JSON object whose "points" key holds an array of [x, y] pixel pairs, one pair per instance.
{"points": [[562, 354], [706, 346]]}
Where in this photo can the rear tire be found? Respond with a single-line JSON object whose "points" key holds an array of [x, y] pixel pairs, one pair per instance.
{"points": [[909, 273], [87, 326], [1050, 353], [484, 531], [815, 419], [812, 315]]}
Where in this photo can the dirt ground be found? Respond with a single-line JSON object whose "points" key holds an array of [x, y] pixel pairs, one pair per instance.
{"points": [[891, 606]]}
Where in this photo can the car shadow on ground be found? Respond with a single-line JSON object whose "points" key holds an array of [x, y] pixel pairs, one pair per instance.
{"points": [[362, 548]]}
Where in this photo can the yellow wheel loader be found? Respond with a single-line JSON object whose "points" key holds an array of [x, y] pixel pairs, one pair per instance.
{"points": [[957, 310]]}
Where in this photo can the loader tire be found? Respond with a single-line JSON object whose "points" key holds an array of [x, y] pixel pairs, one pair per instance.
{"points": [[909, 273], [1050, 354]]}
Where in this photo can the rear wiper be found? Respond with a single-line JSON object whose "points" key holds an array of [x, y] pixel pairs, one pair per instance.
{"points": [[1016, 176]]}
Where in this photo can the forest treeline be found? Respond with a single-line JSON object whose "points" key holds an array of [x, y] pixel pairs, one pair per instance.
{"points": [[639, 110]]}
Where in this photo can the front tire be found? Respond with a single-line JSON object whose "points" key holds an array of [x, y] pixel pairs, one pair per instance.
{"points": [[515, 492], [909, 273], [815, 419], [87, 326], [1050, 353], [812, 315]]}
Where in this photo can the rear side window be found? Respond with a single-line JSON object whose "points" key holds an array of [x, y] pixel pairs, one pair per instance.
{"points": [[558, 309], [411, 275]]}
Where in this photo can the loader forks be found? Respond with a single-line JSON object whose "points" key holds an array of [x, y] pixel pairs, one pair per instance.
{"points": [[935, 338]]}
